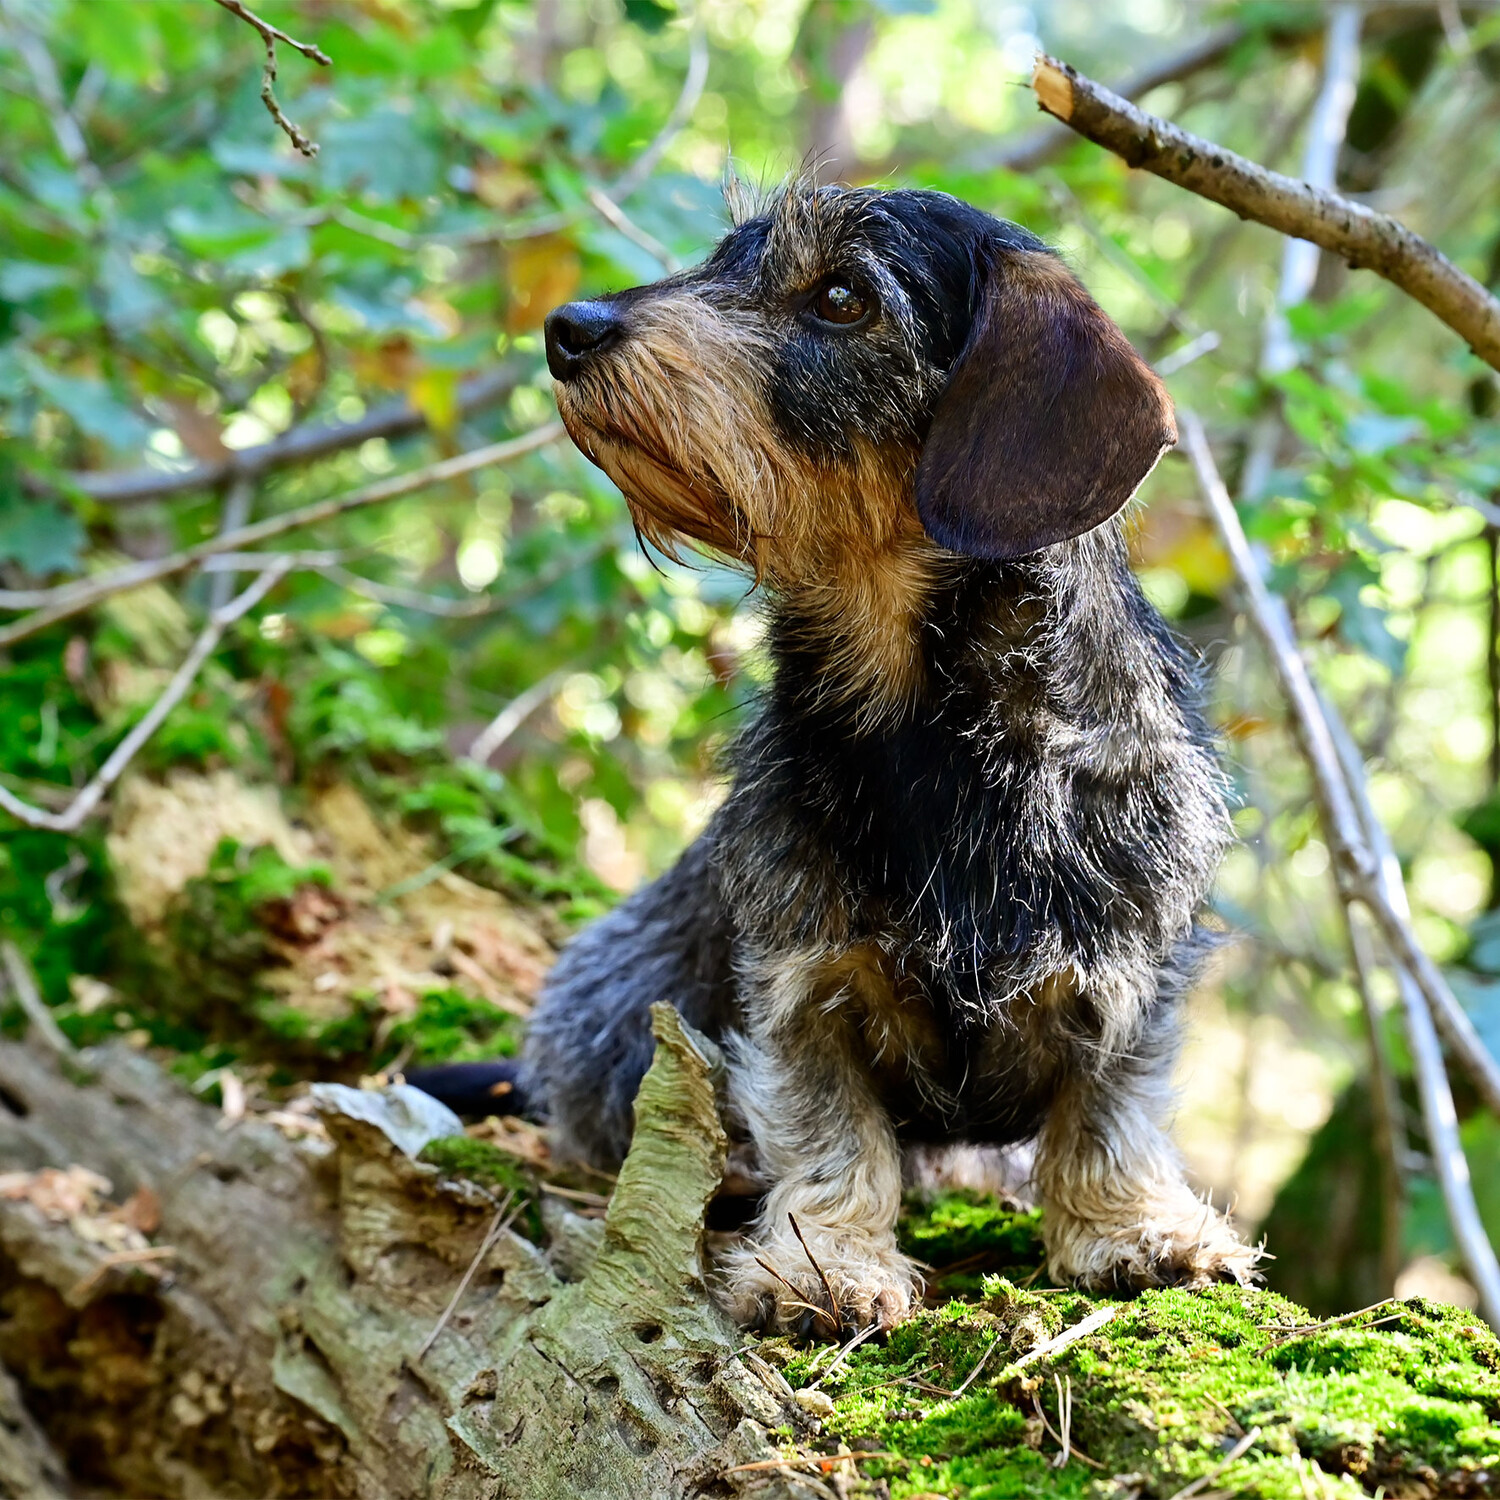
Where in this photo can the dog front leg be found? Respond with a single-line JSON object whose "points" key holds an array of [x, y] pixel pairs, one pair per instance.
{"points": [[1118, 1213], [801, 1084]]}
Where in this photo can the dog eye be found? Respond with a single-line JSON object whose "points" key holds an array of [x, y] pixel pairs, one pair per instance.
{"points": [[838, 302]]}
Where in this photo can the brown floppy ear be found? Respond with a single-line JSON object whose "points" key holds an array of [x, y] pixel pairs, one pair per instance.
{"points": [[1049, 421]]}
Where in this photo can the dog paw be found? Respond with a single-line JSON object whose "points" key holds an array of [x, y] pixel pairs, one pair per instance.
{"points": [[771, 1285], [1177, 1240]]}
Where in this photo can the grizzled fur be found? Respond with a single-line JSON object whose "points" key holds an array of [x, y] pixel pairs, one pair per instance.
{"points": [[950, 895]]}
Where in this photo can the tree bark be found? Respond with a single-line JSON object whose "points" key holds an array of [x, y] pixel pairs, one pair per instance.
{"points": [[1365, 238], [278, 1349]]}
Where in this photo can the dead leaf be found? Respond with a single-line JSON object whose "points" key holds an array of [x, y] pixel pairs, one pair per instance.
{"points": [[516, 1137], [141, 1210], [59, 1193]]}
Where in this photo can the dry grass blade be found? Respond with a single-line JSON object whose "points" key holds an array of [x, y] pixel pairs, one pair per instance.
{"points": [[1203, 1481], [833, 1306], [796, 1299], [979, 1364], [498, 1225], [1091, 1324], [1064, 1421], [845, 1352]]}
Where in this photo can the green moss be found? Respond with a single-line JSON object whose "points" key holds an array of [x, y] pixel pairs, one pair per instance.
{"points": [[1406, 1397], [479, 1161], [450, 1026], [964, 1235], [217, 928]]}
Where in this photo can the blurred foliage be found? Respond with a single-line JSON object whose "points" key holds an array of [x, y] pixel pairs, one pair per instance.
{"points": [[190, 286]]}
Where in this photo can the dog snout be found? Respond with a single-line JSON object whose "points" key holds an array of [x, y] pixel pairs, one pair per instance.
{"points": [[578, 330]]}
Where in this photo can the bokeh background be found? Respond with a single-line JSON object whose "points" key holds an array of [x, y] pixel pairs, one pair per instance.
{"points": [[180, 287]]}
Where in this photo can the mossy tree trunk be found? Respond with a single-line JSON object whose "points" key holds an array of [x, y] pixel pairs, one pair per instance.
{"points": [[279, 1347]]}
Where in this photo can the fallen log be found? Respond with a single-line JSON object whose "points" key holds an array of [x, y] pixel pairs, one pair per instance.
{"points": [[274, 1343]]}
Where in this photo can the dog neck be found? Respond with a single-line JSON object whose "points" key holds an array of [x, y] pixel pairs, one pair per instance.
{"points": [[874, 635], [848, 620]]}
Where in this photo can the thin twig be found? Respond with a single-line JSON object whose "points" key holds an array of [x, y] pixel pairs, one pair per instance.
{"points": [[236, 513], [149, 1255], [1367, 871], [513, 716], [1299, 258], [1325, 139], [681, 112], [73, 598], [416, 599], [1376, 883], [640, 169], [1038, 146], [65, 127], [1308, 1329], [28, 995], [615, 216], [497, 1227], [833, 1306], [823, 1461], [270, 35], [1363, 237], [85, 803], [1233, 1456]]}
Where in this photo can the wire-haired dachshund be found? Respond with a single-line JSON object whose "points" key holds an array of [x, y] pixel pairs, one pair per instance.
{"points": [[951, 894]]}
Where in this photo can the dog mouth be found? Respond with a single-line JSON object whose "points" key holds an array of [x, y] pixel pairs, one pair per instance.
{"points": [[667, 502]]}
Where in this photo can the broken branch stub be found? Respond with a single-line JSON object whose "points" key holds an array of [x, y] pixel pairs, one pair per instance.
{"points": [[1365, 238]]}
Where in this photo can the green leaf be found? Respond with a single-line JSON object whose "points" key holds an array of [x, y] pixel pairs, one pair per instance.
{"points": [[40, 535], [90, 403], [1362, 624], [649, 15]]}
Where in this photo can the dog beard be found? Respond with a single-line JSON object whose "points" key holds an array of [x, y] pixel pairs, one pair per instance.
{"points": [[667, 506]]}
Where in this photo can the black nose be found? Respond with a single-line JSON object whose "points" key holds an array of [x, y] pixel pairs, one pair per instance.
{"points": [[577, 330]]}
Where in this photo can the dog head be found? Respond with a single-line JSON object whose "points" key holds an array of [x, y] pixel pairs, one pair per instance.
{"points": [[853, 365]]}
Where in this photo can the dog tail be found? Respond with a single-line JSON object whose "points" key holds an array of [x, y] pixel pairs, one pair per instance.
{"points": [[477, 1089]]}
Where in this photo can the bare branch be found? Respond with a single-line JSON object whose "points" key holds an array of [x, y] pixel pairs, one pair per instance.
{"points": [[1367, 872], [70, 599], [330, 564], [613, 214], [270, 35], [236, 513], [302, 445], [639, 170], [682, 111], [513, 716], [1325, 139], [1037, 147], [1378, 885], [1366, 239], [87, 801], [23, 986]]}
